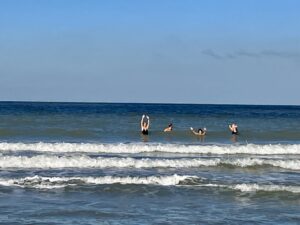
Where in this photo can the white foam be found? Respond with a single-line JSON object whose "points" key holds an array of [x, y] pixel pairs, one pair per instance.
{"points": [[255, 187], [83, 161], [59, 182], [139, 148], [40, 182], [269, 188], [49, 161]]}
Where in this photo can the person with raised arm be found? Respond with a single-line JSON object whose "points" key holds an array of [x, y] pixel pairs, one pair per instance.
{"points": [[234, 129], [145, 124], [200, 132]]}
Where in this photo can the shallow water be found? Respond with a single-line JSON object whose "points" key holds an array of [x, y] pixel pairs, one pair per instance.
{"points": [[79, 163]]}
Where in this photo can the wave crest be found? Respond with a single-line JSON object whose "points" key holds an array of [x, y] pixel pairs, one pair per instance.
{"points": [[49, 161], [58, 182], [40, 182], [275, 149]]}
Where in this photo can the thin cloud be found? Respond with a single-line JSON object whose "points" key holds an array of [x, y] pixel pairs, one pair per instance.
{"points": [[211, 53], [247, 54], [244, 53], [281, 54]]}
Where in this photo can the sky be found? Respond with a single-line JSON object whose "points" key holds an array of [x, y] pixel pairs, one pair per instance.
{"points": [[151, 51]]}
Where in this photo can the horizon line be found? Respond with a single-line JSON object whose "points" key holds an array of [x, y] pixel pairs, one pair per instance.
{"points": [[154, 103]]}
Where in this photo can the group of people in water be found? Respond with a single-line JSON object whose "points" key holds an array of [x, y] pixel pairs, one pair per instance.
{"points": [[145, 124]]}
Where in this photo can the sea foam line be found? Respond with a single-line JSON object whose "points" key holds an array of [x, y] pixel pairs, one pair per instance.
{"points": [[255, 187], [40, 182], [140, 148], [83, 161], [58, 182]]}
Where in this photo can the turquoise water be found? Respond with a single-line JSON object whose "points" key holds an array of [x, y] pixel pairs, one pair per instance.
{"points": [[80, 163]]}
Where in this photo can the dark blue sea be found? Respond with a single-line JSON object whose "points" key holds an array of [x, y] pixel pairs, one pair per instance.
{"points": [[87, 163]]}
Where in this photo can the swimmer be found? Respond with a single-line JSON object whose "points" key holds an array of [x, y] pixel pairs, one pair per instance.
{"points": [[145, 123], [234, 129], [169, 128], [200, 132]]}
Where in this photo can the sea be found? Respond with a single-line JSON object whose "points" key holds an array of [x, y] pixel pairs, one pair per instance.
{"points": [[88, 163]]}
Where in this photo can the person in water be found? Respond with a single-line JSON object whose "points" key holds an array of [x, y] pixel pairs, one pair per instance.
{"points": [[145, 123], [234, 129], [169, 128], [200, 132]]}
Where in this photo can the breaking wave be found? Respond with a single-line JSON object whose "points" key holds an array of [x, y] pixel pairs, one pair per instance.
{"points": [[40, 182], [58, 182], [269, 149], [83, 161]]}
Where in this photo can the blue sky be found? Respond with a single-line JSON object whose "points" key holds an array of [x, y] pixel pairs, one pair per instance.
{"points": [[170, 51]]}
